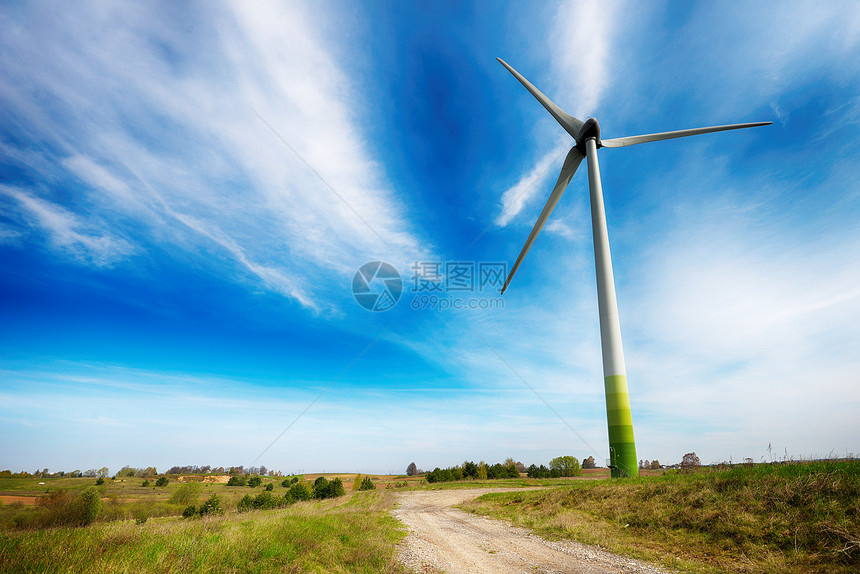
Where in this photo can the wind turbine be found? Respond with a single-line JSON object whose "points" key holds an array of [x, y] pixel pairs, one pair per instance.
{"points": [[586, 136]]}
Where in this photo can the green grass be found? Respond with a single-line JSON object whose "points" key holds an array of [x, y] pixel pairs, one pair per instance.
{"points": [[349, 534], [763, 518]]}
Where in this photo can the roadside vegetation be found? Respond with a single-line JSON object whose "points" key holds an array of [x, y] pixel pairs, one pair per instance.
{"points": [[343, 534], [802, 517]]}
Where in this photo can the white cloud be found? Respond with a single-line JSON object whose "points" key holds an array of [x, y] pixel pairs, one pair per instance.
{"points": [[70, 233], [158, 119], [580, 50]]}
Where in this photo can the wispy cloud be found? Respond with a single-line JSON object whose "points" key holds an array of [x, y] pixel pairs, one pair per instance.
{"points": [[69, 233], [218, 177], [579, 47]]}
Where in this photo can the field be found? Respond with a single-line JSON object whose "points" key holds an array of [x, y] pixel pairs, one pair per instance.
{"points": [[762, 518], [353, 533]]}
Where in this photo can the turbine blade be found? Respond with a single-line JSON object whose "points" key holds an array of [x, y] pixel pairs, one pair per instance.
{"points": [[571, 162], [633, 140], [567, 121]]}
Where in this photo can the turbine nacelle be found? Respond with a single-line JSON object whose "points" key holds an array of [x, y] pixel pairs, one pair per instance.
{"points": [[590, 129]]}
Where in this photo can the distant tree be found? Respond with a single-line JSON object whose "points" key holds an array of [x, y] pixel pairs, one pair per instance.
{"points": [[690, 461], [521, 467], [589, 463], [482, 470], [298, 492], [104, 472], [263, 470], [411, 470], [470, 470], [655, 464], [565, 466]]}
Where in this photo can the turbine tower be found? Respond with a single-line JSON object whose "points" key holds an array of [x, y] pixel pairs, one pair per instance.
{"points": [[586, 136]]}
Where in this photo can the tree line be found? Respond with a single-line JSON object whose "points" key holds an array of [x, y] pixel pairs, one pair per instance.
{"points": [[561, 466]]}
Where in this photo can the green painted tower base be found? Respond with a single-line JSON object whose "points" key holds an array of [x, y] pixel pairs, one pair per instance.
{"points": [[622, 448]]}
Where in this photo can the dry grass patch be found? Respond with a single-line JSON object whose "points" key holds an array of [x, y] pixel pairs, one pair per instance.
{"points": [[766, 518]]}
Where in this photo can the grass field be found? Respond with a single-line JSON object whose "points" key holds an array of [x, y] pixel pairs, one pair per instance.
{"points": [[353, 533], [762, 518]]}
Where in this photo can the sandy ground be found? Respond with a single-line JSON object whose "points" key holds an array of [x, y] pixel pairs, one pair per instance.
{"points": [[443, 539], [12, 499]]}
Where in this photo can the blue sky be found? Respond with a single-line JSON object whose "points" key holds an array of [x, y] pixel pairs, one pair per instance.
{"points": [[186, 193]]}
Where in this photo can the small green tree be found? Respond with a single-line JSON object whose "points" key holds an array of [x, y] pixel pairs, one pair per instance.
{"points": [[246, 504], [211, 506], [100, 481], [237, 480], [270, 487], [190, 511], [565, 466], [90, 505], [298, 492], [145, 483], [255, 481], [367, 484], [162, 481]]}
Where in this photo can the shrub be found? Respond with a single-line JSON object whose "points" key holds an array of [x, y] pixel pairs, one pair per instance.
{"points": [[145, 483], [298, 492], [237, 480], [186, 493], [326, 489], [100, 481], [367, 484], [270, 487], [246, 504], [255, 481], [162, 481], [140, 517], [90, 505], [190, 511], [211, 506]]}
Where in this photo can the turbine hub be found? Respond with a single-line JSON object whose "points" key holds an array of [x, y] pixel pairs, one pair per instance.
{"points": [[590, 129]]}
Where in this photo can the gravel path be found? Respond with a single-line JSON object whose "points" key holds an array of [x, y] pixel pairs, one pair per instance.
{"points": [[443, 539]]}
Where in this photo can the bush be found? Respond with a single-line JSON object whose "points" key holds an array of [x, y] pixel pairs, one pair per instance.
{"points": [[270, 487], [326, 489], [186, 493], [246, 504], [190, 511], [298, 492], [162, 481], [255, 481], [211, 506], [100, 481], [140, 517], [237, 481], [145, 483], [90, 505], [367, 484]]}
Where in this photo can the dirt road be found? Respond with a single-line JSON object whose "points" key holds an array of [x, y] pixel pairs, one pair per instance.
{"points": [[443, 539]]}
